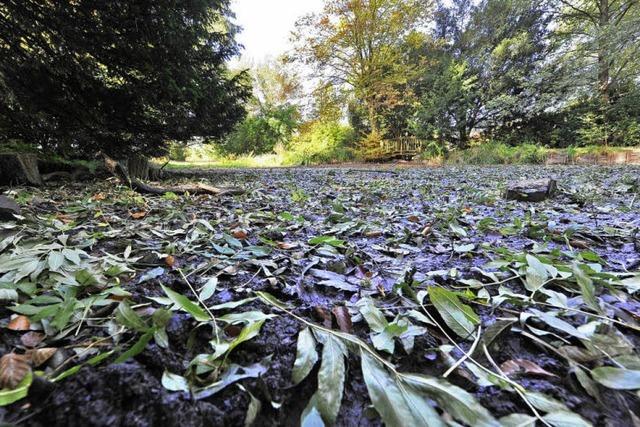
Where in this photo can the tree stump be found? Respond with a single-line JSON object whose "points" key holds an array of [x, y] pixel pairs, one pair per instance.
{"points": [[532, 190], [16, 168]]}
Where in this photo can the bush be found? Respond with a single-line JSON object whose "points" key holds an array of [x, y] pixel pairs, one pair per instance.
{"points": [[261, 133], [498, 153], [177, 152], [328, 142]]}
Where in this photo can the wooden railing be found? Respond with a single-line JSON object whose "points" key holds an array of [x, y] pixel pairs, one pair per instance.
{"points": [[404, 147]]}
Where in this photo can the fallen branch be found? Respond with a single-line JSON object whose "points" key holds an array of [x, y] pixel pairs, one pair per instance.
{"points": [[120, 172]]}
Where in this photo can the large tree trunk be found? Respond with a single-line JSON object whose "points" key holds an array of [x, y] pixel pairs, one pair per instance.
{"points": [[138, 167], [18, 168]]}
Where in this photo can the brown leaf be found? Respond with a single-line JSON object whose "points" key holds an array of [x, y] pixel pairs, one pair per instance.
{"points": [[65, 218], [240, 234], [286, 246], [322, 314], [19, 323], [40, 356], [233, 330], [138, 215], [343, 318], [13, 369], [372, 234], [413, 219], [98, 197], [519, 366], [580, 244], [32, 339]]}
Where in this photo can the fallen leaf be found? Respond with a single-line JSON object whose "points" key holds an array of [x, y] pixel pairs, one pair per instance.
{"points": [[343, 318], [519, 366], [372, 234], [138, 215], [98, 197], [13, 369], [413, 219], [240, 234], [286, 246], [67, 219], [32, 339], [322, 314], [40, 356], [19, 323]]}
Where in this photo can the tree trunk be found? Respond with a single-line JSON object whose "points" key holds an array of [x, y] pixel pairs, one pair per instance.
{"points": [[604, 65], [138, 167], [373, 119], [18, 168]]}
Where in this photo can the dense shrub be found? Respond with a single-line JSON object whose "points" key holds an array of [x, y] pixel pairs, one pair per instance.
{"points": [[322, 143], [262, 132]]}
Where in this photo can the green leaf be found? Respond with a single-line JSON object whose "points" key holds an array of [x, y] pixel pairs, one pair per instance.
{"points": [[136, 349], [255, 406], [233, 374], [452, 399], [306, 358], [617, 378], [559, 324], [173, 382], [458, 316], [545, 403], [518, 420], [312, 418], [536, 274], [8, 396], [187, 305], [565, 419], [372, 314], [129, 318], [209, 289], [398, 404], [328, 397], [632, 284], [327, 240], [8, 294], [586, 288], [55, 260], [248, 332]]}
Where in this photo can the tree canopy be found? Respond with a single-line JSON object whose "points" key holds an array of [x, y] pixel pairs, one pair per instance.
{"points": [[121, 76]]}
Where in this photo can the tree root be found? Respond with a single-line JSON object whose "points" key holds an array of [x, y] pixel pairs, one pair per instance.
{"points": [[120, 172]]}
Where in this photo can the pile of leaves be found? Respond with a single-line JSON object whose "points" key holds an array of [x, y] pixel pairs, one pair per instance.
{"points": [[326, 297]]}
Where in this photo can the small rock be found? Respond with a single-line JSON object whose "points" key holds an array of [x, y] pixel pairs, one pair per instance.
{"points": [[8, 208], [532, 190]]}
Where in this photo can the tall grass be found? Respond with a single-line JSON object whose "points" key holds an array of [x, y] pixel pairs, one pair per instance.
{"points": [[497, 153]]}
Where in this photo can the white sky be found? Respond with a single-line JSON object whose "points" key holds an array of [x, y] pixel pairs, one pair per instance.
{"points": [[267, 24]]}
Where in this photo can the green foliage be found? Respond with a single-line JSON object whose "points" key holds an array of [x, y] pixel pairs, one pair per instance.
{"points": [[118, 76], [321, 143], [497, 153], [263, 132]]}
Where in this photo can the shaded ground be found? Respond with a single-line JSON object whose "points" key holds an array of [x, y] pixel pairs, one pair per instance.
{"points": [[318, 239]]}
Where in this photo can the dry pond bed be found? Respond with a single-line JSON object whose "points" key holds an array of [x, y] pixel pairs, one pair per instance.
{"points": [[325, 296]]}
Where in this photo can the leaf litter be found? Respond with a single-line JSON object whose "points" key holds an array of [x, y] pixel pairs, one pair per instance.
{"points": [[326, 296]]}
